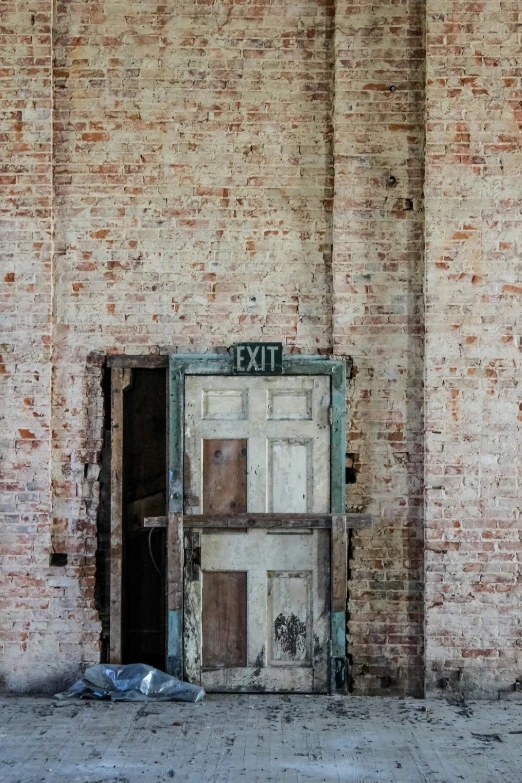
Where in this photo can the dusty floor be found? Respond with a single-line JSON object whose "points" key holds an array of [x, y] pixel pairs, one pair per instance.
{"points": [[260, 738]]}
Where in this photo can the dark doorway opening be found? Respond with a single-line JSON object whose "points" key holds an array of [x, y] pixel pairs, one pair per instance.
{"points": [[144, 491]]}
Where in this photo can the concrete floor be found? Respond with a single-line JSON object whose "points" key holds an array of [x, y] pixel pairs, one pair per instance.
{"points": [[228, 739]]}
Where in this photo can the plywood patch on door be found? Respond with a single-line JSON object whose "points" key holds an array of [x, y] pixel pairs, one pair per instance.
{"points": [[225, 475], [224, 619]]}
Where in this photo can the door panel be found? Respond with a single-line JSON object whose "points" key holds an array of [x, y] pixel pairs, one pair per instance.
{"points": [[224, 619], [290, 617], [289, 475], [225, 404], [270, 437], [290, 404], [225, 472]]}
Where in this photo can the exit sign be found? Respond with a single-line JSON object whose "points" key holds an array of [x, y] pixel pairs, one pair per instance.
{"points": [[262, 358]]}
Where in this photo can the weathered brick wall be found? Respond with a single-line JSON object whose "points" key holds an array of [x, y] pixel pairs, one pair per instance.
{"points": [[473, 344], [193, 150], [193, 201], [29, 597], [378, 319], [193, 207], [193, 154]]}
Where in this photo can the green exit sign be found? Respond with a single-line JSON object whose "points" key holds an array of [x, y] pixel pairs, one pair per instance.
{"points": [[258, 358]]}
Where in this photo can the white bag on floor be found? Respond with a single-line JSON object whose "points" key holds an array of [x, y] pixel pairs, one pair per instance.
{"points": [[132, 682]]}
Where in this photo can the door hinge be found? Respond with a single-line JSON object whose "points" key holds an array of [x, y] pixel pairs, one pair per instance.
{"points": [[330, 415]]}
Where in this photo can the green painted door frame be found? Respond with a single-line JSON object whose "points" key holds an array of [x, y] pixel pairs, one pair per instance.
{"points": [[181, 365]]}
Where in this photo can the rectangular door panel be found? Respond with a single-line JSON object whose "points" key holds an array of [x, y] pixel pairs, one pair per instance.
{"points": [[224, 619], [289, 476], [225, 404], [288, 405], [225, 475], [261, 418], [290, 618]]}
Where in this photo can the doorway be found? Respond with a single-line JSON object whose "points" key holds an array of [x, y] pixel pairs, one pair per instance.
{"points": [[256, 502], [229, 558], [139, 492]]}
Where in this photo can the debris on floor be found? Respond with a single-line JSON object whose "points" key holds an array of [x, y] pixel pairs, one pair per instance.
{"points": [[132, 682], [487, 737], [258, 739]]}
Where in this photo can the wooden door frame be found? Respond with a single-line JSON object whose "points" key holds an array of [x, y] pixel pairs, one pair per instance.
{"points": [[120, 381], [181, 365], [178, 366]]}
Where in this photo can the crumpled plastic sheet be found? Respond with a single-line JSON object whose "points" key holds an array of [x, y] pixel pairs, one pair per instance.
{"points": [[132, 682]]}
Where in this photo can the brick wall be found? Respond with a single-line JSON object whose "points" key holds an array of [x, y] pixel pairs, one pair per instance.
{"points": [[193, 200], [229, 171], [473, 345], [378, 320], [28, 595]]}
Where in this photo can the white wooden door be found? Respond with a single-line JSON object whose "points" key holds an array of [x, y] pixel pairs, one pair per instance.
{"points": [[257, 615]]}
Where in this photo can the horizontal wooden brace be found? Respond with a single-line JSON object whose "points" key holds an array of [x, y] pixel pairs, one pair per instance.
{"points": [[262, 520], [353, 521], [358, 521], [154, 521], [252, 522]]}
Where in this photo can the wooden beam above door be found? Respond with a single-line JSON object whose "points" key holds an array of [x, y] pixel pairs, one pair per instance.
{"points": [[144, 362]]}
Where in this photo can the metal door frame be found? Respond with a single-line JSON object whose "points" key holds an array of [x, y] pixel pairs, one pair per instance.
{"points": [[181, 365]]}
